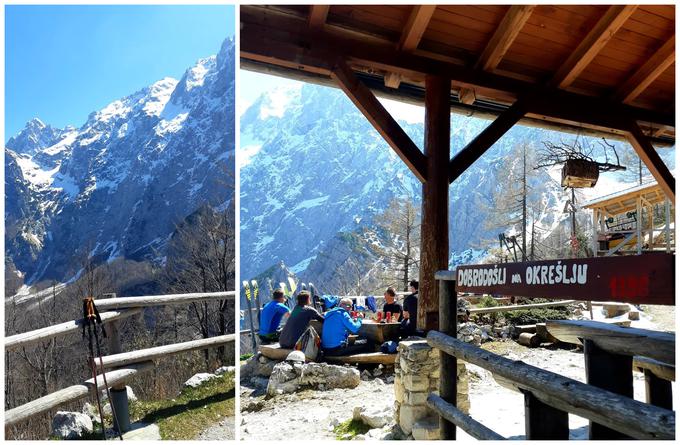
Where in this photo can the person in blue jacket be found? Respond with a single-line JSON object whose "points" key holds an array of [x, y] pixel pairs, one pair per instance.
{"points": [[270, 317], [337, 326]]}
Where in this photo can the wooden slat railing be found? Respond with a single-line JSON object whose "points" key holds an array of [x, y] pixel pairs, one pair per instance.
{"points": [[133, 363], [605, 400]]}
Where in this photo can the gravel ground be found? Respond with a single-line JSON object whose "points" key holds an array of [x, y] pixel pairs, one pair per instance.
{"points": [[307, 415], [224, 430]]}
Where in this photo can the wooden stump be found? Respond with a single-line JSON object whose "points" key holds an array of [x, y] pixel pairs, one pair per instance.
{"points": [[528, 339]]}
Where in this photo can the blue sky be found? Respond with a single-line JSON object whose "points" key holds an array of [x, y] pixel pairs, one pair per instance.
{"points": [[63, 62]]}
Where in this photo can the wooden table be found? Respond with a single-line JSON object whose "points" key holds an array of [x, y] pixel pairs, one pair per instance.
{"points": [[377, 332]]}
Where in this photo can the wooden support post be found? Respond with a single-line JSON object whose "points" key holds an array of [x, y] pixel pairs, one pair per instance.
{"points": [[667, 231], [612, 372], [638, 210], [448, 364], [659, 392], [434, 229], [119, 398], [542, 421]]}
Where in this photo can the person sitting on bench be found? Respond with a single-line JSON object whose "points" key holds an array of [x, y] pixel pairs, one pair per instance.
{"points": [[390, 306], [271, 316], [410, 314], [299, 319], [337, 326]]}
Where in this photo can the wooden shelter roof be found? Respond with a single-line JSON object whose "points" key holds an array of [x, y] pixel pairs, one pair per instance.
{"points": [[586, 67], [626, 200]]}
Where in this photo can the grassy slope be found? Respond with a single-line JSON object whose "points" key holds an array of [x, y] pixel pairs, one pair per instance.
{"points": [[193, 411]]}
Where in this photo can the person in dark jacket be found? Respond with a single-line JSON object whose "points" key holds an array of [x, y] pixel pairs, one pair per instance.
{"points": [[390, 304], [299, 319], [408, 325], [270, 317], [337, 326]]}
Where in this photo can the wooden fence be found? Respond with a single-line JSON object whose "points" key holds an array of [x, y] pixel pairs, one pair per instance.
{"points": [[606, 400], [124, 366]]}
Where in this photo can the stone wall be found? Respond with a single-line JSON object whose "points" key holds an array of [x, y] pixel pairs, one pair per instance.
{"points": [[417, 375]]}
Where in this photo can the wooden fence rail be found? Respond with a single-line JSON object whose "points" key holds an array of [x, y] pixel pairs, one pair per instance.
{"points": [[634, 418], [38, 335], [129, 364], [460, 419], [126, 358], [73, 393]]}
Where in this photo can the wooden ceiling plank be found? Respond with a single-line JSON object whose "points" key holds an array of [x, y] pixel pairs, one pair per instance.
{"points": [[560, 106], [591, 45], [317, 16], [380, 118], [505, 34], [411, 35], [484, 140], [646, 151], [647, 73]]}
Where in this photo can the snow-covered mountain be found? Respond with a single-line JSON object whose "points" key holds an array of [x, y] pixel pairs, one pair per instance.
{"points": [[118, 185], [312, 167]]}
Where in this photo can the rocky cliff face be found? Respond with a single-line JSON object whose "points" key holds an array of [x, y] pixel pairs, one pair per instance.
{"points": [[118, 185]]}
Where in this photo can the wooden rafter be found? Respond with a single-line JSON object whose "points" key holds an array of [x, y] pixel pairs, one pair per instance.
{"points": [[380, 118], [480, 144], [505, 34], [593, 43], [646, 151], [317, 16], [647, 73], [410, 36]]}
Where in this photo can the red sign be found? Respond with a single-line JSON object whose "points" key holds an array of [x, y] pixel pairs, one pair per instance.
{"points": [[638, 279]]}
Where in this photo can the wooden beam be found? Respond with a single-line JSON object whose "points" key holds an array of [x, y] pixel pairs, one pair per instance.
{"points": [[629, 416], [72, 393], [519, 307], [317, 16], [466, 96], [416, 26], [615, 339], [277, 46], [480, 144], [647, 73], [141, 355], [448, 364], [410, 36], [381, 120], [592, 44], [502, 38], [161, 300], [49, 332], [646, 151], [457, 417], [434, 227]]}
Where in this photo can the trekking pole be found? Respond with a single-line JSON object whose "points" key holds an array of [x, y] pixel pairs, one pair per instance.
{"points": [[93, 367], [93, 318], [116, 424]]}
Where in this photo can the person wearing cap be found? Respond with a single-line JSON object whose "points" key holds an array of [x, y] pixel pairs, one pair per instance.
{"points": [[270, 317], [337, 326]]}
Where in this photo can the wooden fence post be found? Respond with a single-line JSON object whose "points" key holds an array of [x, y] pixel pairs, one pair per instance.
{"points": [[542, 421], [613, 372], [119, 398], [659, 391], [448, 371]]}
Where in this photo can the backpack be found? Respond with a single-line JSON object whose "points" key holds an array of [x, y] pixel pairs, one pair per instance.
{"points": [[309, 343]]}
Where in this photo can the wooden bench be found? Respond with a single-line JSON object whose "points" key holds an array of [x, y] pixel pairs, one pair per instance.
{"points": [[376, 358], [274, 351]]}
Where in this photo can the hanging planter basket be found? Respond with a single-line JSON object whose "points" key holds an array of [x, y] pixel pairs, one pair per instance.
{"points": [[579, 173]]}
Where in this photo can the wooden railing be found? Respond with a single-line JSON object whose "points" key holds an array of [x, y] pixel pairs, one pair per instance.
{"points": [[124, 366], [548, 396]]}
